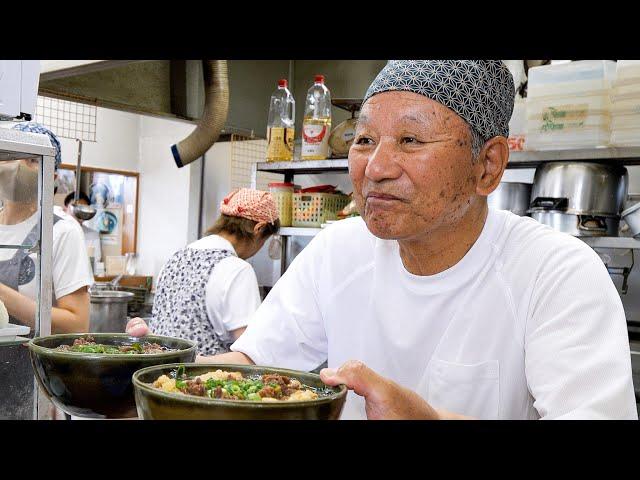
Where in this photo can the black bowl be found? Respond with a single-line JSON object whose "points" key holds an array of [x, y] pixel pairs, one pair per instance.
{"points": [[94, 385], [155, 404]]}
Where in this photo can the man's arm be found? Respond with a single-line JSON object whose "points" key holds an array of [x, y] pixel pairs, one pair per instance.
{"points": [[71, 314], [230, 357], [577, 358]]}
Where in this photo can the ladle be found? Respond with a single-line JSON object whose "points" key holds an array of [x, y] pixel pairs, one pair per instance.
{"points": [[81, 212]]}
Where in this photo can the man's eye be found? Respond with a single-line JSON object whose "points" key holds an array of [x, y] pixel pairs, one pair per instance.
{"points": [[410, 140], [364, 141]]}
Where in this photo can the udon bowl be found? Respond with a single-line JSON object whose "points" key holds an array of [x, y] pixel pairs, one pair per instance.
{"points": [[92, 385], [156, 404]]}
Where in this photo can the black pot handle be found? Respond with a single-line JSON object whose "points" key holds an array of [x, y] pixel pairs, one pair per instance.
{"points": [[550, 203]]}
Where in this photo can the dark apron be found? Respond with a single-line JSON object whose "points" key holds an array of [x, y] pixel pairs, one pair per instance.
{"points": [[16, 374]]}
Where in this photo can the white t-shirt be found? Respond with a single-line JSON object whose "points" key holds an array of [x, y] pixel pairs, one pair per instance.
{"points": [[91, 236], [527, 325], [70, 271], [232, 290]]}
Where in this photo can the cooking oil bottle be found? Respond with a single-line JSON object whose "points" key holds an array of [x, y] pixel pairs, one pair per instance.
{"points": [[280, 128], [316, 125]]}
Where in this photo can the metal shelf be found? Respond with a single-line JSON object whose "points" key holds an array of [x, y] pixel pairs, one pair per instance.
{"points": [[298, 231], [304, 166], [517, 159], [351, 105], [611, 242], [531, 159]]}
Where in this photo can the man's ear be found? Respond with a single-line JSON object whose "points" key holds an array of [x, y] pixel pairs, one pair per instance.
{"points": [[494, 158]]}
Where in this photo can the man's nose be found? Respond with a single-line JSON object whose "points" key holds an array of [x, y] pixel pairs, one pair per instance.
{"points": [[383, 164]]}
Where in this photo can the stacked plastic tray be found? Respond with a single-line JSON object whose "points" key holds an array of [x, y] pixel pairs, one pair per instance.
{"points": [[568, 105], [625, 105]]}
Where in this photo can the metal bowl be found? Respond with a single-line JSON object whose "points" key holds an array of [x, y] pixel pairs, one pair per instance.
{"points": [[155, 404], [83, 212], [95, 385], [512, 196], [583, 188]]}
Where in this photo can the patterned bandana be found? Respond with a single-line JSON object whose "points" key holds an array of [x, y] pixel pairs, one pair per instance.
{"points": [[33, 127], [255, 205], [480, 91]]}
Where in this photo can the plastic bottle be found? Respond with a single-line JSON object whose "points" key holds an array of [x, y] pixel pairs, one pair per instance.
{"points": [[280, 128], [316, 125]]}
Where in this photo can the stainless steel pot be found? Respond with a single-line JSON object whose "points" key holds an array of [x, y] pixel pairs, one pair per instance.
{"points": [[632, 216], [579, 225], [512, 196], [581, 188], [108, 313]]}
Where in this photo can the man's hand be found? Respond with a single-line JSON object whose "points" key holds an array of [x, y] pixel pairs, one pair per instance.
{"points": [[385, 400], [136, 327]]}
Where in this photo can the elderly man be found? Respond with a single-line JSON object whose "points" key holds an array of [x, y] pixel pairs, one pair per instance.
{"points": [[432, 306]]}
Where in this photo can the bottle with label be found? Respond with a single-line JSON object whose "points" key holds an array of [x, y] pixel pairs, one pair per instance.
{"points": [[280, 128], [316, 125]]}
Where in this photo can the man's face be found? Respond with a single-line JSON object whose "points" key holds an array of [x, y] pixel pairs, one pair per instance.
{"points": [[411, 166]]}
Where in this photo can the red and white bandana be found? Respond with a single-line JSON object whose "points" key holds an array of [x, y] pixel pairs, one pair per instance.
{"points": [[255, 205]]}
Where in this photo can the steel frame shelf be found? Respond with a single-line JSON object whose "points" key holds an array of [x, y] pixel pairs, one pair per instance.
{"points": [[517, 159]]}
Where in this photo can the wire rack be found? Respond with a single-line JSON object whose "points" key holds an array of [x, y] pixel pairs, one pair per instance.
{"points": [[67, 119], [245, 152]]}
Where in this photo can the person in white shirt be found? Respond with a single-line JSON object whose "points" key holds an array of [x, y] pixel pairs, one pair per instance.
{"points": [[18, 226], [207, 291], [91, 236], [433, 306]]}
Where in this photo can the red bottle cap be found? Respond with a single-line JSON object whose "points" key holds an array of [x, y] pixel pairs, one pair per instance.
{"points": [[319, 78], [283, 82]]}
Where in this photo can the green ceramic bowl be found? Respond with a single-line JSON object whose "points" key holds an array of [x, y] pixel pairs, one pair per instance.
{"points": [[94, 385], [155, 404]]}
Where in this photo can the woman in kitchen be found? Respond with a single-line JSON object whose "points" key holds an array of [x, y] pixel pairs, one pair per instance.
{"points": [[207, 291], [71, 274]]}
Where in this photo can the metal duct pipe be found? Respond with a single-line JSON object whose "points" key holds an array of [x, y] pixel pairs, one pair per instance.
{"points": [[214, 116]]}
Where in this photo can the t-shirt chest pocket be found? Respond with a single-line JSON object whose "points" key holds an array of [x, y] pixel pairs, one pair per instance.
{"points": [[468, 389]]}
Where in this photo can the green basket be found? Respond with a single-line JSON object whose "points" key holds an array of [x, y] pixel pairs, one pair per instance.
{"points": [[314, 209]]}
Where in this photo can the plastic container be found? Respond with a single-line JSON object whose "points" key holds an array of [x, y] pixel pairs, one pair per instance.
{"points": [[623, 122], [627, 137], [568, 139], [316, 125], [626, 107], [597, 103], [627, 72], [571, 79], [625, 92], [282, 193], [569, 123], [281, 123], [314, 209]]}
